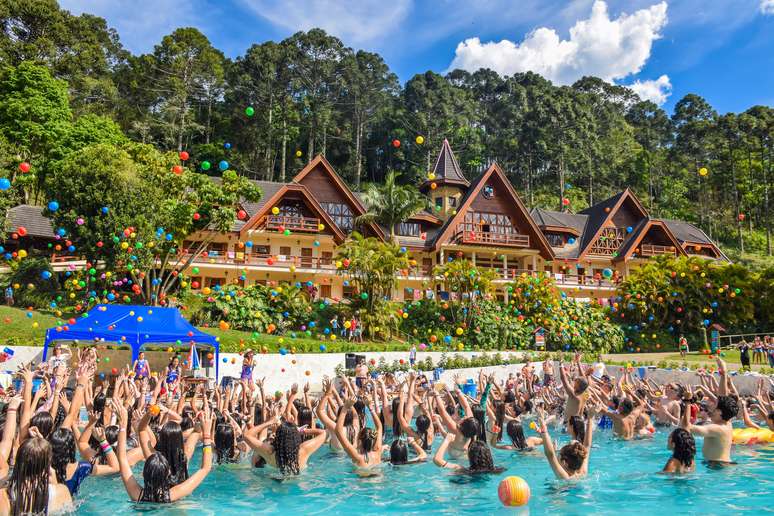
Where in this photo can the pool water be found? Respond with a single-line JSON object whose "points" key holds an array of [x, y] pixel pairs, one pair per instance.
{"points": [[623, 479]]}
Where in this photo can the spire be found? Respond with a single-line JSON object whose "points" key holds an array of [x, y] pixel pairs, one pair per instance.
{"points": [[446, 167]]}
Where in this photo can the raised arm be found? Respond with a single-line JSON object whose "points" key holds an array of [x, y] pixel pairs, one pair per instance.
{"points": [[438, 459], [548, 449], [9, 433], [132, 487], [191, 483], [342, 435]]}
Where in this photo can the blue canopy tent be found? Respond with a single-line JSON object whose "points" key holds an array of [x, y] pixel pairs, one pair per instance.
{"points": [[136, 326]]}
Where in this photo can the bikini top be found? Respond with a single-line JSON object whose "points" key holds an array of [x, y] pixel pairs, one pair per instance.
{"points": [[82, 471]]}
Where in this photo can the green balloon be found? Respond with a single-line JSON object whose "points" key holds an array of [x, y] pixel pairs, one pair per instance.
{"points": [[195, 270], [206, 165], [249, 111], [364, 295]]}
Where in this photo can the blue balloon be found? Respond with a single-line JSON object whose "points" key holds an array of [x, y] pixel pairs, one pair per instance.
{"points": [[227, 145], [105, 210], [71, 248], [45, 275], [5, 184], [283, 351], [223, 165], [312, 324], [629, 229], [169, 237], [285, 314], [447, 339], [248, 244], [403, 250], [61, 232], [327, 331], [323, 348], [53, 206]]}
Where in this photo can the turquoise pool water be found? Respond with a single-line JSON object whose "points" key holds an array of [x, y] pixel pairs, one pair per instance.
{"points": [[623, 480]]}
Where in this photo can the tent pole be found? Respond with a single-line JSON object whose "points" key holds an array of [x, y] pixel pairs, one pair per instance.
{"points": [[45, 345]]}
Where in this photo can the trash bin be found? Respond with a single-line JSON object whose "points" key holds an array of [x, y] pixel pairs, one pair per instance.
{"points": [[437, 372], [469, 388], [350, 361]]}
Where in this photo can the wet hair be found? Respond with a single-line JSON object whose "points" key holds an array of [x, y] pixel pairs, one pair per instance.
{"points": [[367, 439], [157, 479], [170, 445], [499, 410], [582, 385], [626, 407], [62, 452], [572, 456], [359, 407], [527, 406], [728, 407], [397, 431], [28, 484], [469, 427], [684, 446], [578, 428], [509, 397], [60, 416], [287, 441], [44, 423], [515, 432], [348, 420], [423, 427], [770, 416], [478, 414], [99, 404], [398, 452], [305, 416], [616, 401], [258, 415], [480, 458], [224, 443]]}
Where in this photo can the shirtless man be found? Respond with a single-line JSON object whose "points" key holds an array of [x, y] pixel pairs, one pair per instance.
{"points": [[717, 434], [667, 408], [624, 420], [576, 394], [548, 373]]}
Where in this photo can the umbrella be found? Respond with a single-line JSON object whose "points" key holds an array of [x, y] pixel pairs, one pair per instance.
{"points": [[193, 358]]}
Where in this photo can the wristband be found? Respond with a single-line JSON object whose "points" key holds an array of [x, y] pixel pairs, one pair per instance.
{"points": [[11, 410], [122, 429]]}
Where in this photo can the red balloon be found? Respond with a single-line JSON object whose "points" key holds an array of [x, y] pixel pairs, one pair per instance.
{"points": [[396, 143], [196, 216], [241, 214], [24, 167], [195, 284], [566, 201], [177, 169], [22, 231], [183, 156], [741, 217], [100, 244], [114, 371]]}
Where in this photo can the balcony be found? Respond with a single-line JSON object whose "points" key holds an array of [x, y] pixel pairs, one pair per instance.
{"points": [[470, 233], [283, 222], [266, 260], [655, 250]]}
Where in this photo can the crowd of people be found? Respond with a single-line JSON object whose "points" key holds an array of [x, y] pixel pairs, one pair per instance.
{"points": [[78, 424], [762, 351]]}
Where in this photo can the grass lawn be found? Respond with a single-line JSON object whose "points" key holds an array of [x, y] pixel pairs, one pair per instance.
{"points": [[731, 356], [17, 329]]}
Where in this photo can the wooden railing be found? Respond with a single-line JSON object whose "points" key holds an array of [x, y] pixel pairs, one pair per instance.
{"points": [[470, 233], [653, 250], [282, 222], [278, 261]]}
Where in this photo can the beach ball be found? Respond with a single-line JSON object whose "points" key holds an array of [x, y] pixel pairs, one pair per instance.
{"points": [[206, 165], [513, 491], [249, 111], [420, 140]]}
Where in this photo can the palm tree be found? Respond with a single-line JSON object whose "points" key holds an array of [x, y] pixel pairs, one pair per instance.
{"points": [[390, 203]]}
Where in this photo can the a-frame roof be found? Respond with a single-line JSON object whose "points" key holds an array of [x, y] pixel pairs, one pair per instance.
{"points": [[358, 209], [338, 235], [601, 213], [446, 169], [639, 232], [538, 239]]}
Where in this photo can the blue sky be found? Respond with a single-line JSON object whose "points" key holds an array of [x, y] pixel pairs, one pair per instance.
{"points": [[720, 49]]}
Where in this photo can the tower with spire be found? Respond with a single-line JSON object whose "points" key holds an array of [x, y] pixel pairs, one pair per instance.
{"points": [[445, 184]]}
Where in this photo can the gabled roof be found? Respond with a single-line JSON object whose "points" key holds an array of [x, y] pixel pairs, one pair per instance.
{"points": [[601, 213], [560, 222], [690, 235], [639, 232], [446, 169], [327, 168], [538, 241], [338, 234], [32, 219]]}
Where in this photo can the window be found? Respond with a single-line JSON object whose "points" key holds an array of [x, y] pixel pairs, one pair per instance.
{"points": [[340, 213], [290, 210], [347, 291], [427, 266], [452, 202], [327, 258], [555, 239], [325, 291], [408, 294], [408, 229], [261, 250], [284, 251], [439, 202], [488, 191], [212, 282], [490, 222]]}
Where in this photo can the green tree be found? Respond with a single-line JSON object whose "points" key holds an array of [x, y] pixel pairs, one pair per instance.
{"points": [[391, 203]]}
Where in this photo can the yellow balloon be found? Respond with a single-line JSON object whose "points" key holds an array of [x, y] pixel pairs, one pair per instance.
{"points": [[347, 324], [420, 140], [299, 154], [459, 331], [333, 337], [22, 253], [321, 227], [703, 171], [275, 211]]}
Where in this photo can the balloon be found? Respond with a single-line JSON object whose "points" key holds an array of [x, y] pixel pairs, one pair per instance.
{"points": [[105, 210], [249, 111], [433, 186], [177, 169], [396, 143], [364, 295], [241, 214], [24, 167], [565, 201], [703, 171], [53, 206], [513, 491], [206, 165], [299, 153], [183, 156], [275, 211], [21, 230], [420, 140], [227, 146], [607, 273], [5, 184], [45, 275], [322, 348], [223, 165]]}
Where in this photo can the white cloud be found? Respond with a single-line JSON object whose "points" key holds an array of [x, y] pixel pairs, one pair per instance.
{"points": [[767, 6], [656, 91], [353, 21], [600, 46]]}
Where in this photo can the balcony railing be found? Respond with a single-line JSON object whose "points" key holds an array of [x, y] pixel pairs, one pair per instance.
{"points": [[470, 233], [282, 222], [653, 250], [273, 260]]}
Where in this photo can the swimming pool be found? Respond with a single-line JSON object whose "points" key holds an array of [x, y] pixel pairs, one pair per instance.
{"points": [[623, 480]]}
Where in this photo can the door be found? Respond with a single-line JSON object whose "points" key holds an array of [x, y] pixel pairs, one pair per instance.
{"points": [[306, 257]]}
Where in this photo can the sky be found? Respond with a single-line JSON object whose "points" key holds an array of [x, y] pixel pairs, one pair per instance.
{"points": [[722, 50]]}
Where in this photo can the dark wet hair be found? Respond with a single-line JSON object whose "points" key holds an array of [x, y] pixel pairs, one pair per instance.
{"points": [[61, 414], [398, 452], [423, 427], [367, 439], [479, 413], [287, 441], [728, 407], [578, 428], [359, 407], [170, 445], [397, 431], [770, 417], [480, 458], [28, 484], [258, 415], [469, 427], [305, 416], [509, 397], [684, 446], [44, 423], [499, 410], [348, 420], [626, 407], [62, 452], [224, 443], [515, 432], [572, 455], [582, 385], [99, 404], [157, 479]]}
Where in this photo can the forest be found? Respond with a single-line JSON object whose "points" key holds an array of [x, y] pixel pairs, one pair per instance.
{"points": [[273, 108]]}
